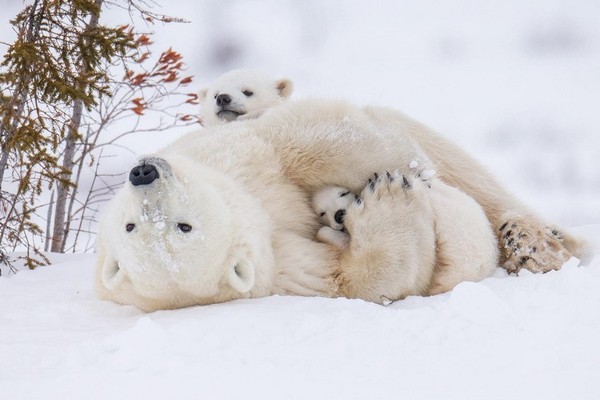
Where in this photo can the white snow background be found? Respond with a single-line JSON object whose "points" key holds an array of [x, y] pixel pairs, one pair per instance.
{"points": [[516, 83]]}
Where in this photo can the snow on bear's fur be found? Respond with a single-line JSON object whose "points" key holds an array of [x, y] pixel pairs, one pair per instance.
{"points": [[225, 213], [240, 95]]}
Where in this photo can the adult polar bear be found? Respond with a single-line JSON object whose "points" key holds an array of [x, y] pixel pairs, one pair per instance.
{"points": [[225, 214]]}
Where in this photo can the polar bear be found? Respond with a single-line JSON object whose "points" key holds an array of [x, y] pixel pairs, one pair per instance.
{"points": [[242, 94], [330, 204], [465, 247], [226, 214]]}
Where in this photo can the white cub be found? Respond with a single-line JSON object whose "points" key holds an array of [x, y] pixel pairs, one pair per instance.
{"points": [[464, 246], [241, 94], [330, 204]]}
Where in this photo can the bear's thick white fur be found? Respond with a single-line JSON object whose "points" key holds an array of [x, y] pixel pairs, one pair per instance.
{"points": [[248, 94], [465, 247], [245, 189]]}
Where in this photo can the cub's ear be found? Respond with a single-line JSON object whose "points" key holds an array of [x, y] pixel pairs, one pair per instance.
{"points": [[202, 94], [284, 87], [241, 276]]}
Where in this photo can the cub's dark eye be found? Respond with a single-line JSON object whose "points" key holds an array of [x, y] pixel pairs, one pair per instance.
{"points": [[248, 93], [216, 94], [344, 194], [129, 227], [185, 228], [322, 214]]}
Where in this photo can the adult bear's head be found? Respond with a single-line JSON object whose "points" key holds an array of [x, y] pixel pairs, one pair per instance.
{"points": [[178, 234]]}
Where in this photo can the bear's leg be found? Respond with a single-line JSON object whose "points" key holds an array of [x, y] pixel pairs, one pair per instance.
{"points": [[457, 168], [466, 245], [391, 253]]}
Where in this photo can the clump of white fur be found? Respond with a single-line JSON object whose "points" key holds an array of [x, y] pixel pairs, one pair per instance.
{"points": [[242, 94]]}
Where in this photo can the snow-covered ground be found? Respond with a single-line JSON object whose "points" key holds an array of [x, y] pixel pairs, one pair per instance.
{"points": [[516, 83], [508, 337]]}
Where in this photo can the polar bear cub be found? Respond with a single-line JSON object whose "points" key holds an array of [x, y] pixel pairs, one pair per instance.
{"points": [[330, 204], [241, 94], [465, 244]]}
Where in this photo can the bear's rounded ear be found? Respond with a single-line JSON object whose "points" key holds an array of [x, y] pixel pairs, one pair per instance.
{"points": [[202, 94], [111, 274], [241, 276], [284, 87]]}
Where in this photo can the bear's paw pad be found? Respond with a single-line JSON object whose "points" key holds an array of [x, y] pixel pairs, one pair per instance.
{"points": [[526, 244]]}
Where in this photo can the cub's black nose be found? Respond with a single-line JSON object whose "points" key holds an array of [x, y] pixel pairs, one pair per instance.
{"points": [[339, 216], [143, 174], [223, 100]]}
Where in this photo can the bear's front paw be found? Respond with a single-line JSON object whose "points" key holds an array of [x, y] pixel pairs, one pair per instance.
{"points": [[387, 196], [387, 185], [525, 243]]}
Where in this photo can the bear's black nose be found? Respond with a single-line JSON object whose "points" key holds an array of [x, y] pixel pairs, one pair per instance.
{"points": [[339, 216], [223, 100], [143, 174]]}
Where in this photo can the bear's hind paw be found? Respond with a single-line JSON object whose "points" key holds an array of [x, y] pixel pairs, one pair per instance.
{"points": [[526, 244]]}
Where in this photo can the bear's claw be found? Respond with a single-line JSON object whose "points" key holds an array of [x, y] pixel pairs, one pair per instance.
{"points": [[380, 185]]}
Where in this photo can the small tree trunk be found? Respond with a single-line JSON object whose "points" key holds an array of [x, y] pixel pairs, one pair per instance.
{"points": [[60, 230], [49, 222]]}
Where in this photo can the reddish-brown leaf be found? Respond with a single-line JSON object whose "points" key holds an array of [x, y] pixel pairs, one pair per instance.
{"points": [[170, 78], [144, 57], [139, 79], [139, 110], [143, 40]]}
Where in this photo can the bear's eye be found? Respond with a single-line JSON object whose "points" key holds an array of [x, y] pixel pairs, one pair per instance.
{"points": [[216, 94], [322, 214], [129, 227], [344, 194], [185, 228], [248, 93]]}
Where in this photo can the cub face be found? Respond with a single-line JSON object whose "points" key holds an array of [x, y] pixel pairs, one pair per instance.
{"points": [[330, 204], [241, 94]]}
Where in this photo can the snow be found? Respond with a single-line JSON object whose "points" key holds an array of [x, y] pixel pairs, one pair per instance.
{"points": [[515, 83], [532, 336]]}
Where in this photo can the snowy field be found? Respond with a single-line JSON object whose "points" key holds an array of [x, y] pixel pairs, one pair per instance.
{"points": [[516, 83], [526, 337]]}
